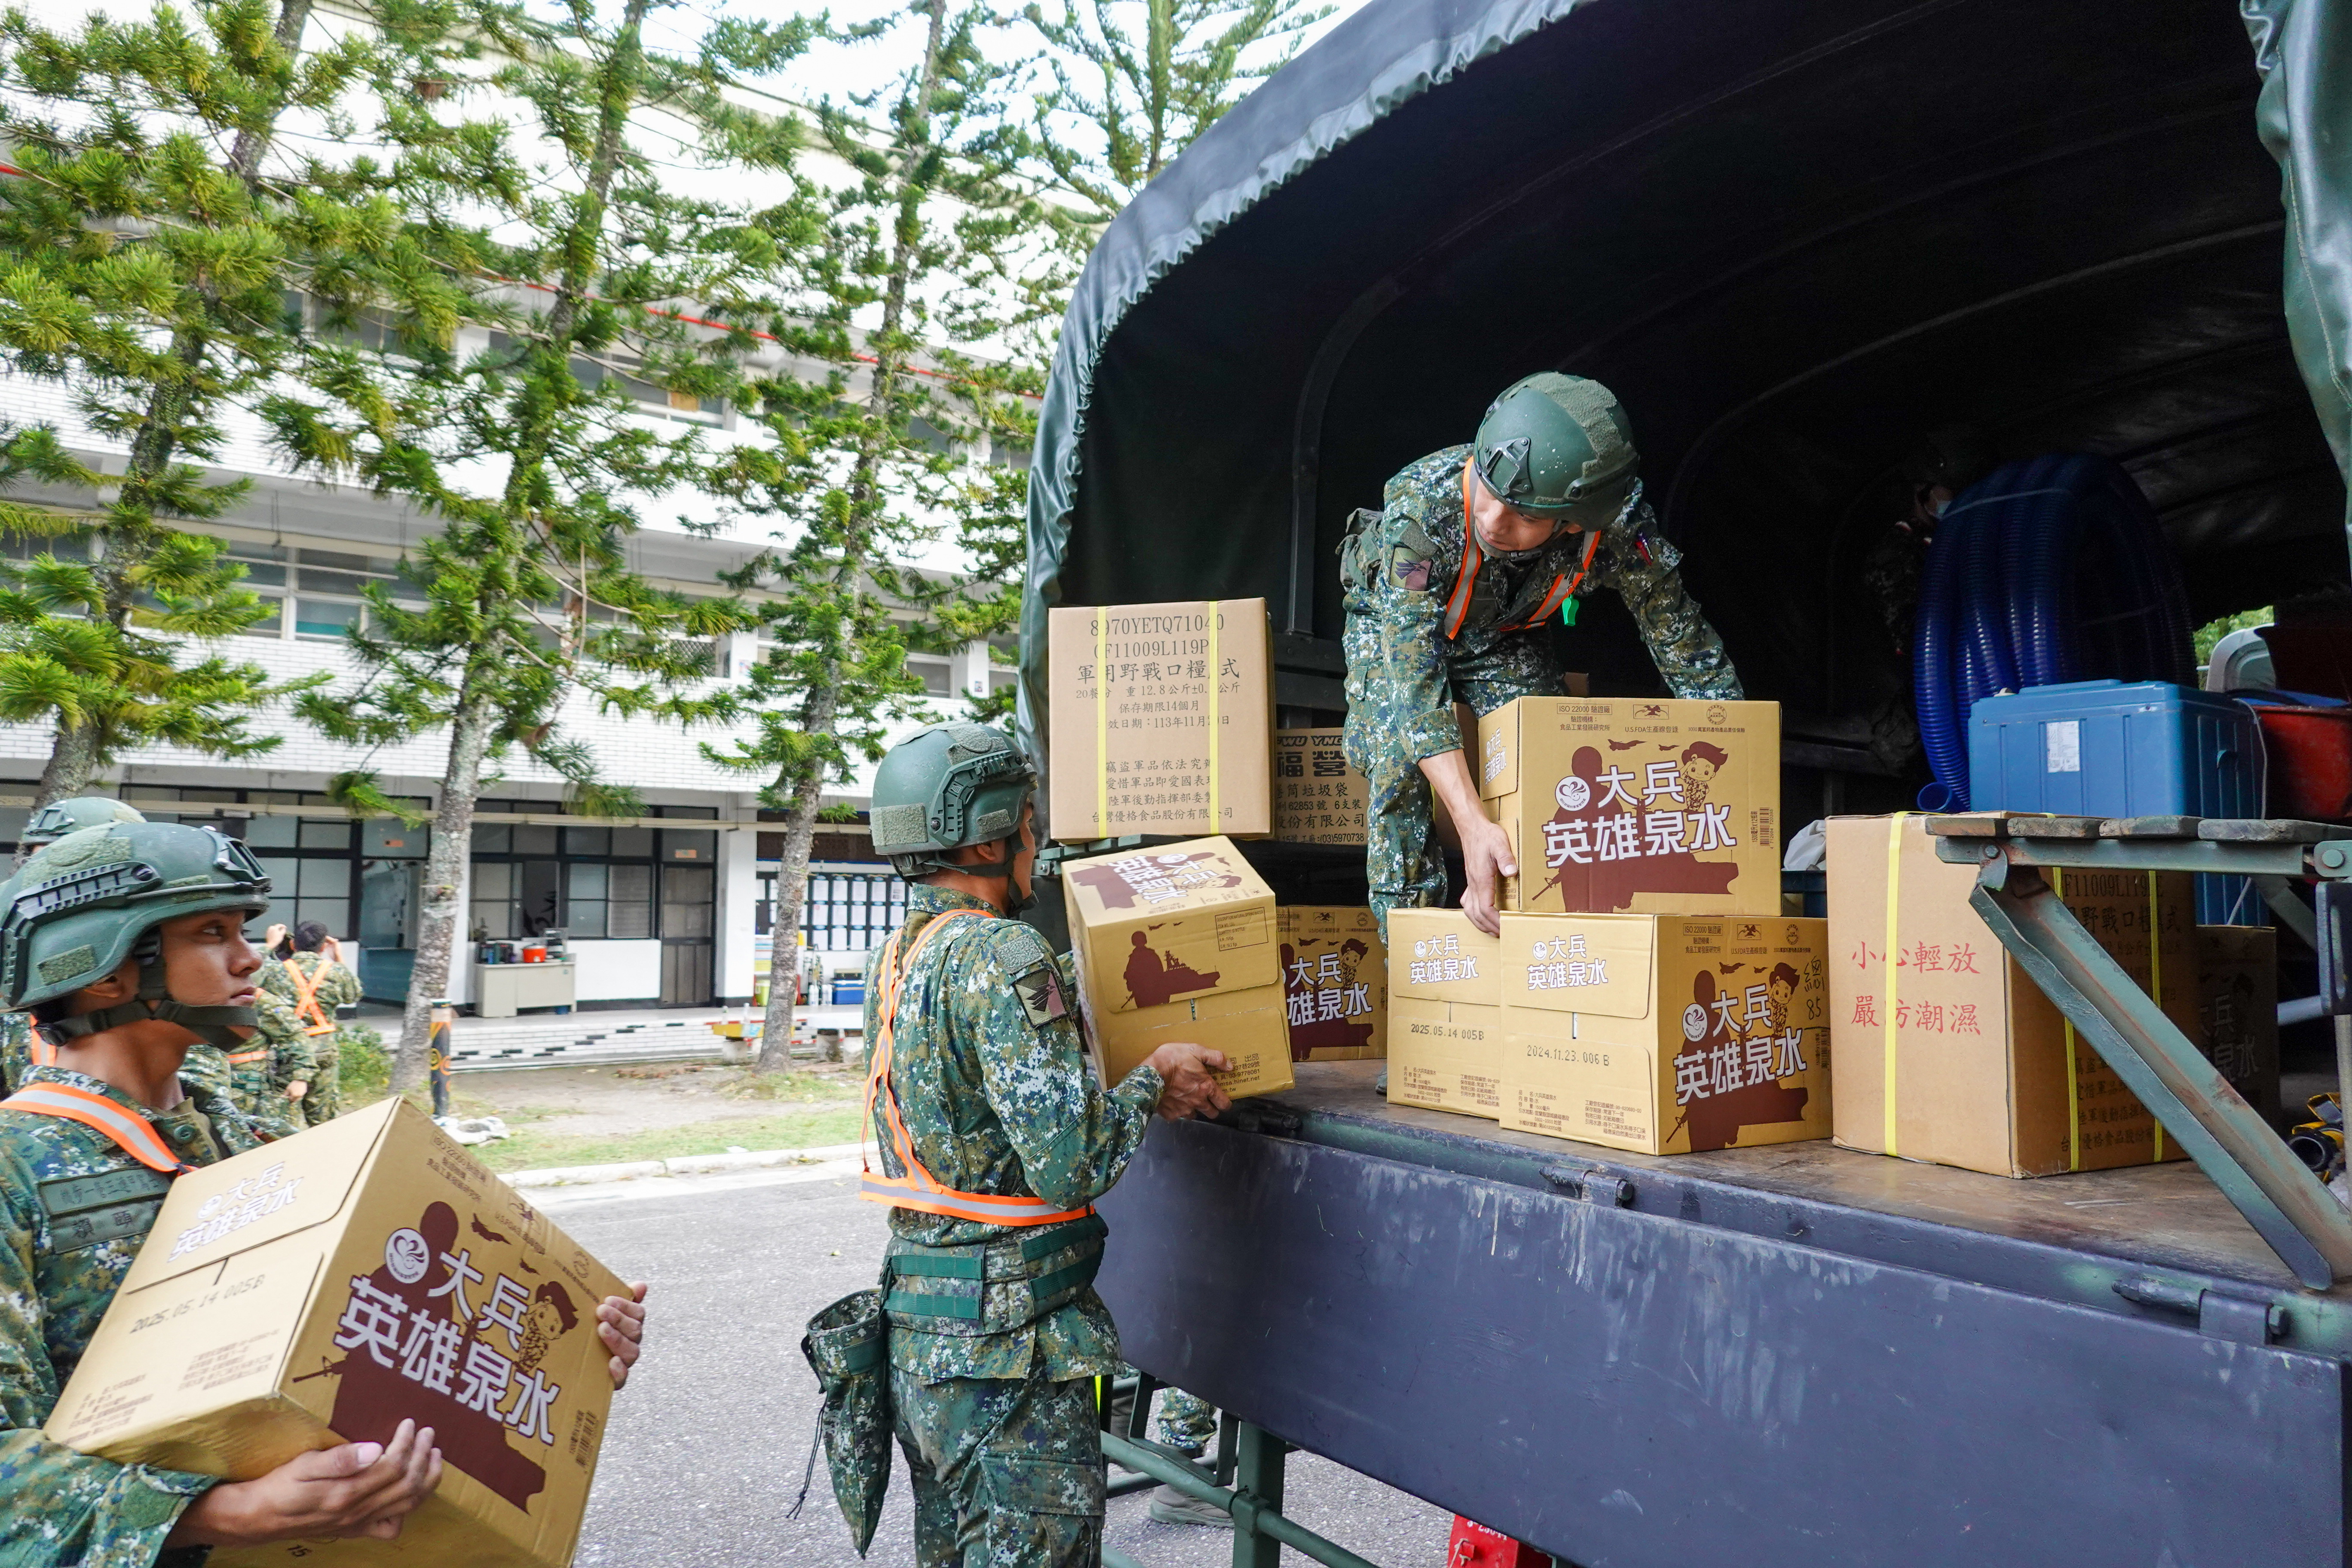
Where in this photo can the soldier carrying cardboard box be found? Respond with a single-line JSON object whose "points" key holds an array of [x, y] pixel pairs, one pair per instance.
{"points": [[982, 1348], [125, 943], [1449, 590]]}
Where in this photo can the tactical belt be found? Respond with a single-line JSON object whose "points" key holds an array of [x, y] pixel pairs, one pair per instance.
{"points": [[971, 1289]]}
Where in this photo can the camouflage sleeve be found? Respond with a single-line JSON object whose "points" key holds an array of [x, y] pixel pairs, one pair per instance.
{"points": [[341, 987], [1074, 1137], [56, 1505], [1645, 571], [1406, 582], [274, 980]]}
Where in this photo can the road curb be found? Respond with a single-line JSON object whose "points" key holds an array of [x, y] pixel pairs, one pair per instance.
{"points": [[682, 1166]]}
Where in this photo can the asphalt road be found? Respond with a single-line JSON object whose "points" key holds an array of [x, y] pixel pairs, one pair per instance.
{"points": [[705, 1452]]}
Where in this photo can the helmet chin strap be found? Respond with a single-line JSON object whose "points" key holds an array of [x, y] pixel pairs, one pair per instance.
{"points": [[214, 1026], [1015, 901]]}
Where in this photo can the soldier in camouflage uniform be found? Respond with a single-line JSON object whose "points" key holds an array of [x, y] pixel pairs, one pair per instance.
{"points": [[270, 1073], [317, 958], [1439, 612], [995, 1332], [146, 957], [123, 981]]}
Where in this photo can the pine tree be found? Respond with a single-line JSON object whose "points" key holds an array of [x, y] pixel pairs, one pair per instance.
{"points": [[153, 230], [1135, 82], [559, 209], [937, 248]]}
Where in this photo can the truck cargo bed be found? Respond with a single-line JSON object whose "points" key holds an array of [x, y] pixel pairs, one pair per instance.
{"points": [[1798, 1353]]}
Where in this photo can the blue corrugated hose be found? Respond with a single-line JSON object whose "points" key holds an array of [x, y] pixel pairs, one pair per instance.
{"points": [[2050, 570]]}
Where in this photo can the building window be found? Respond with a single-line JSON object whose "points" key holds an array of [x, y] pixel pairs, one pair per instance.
{"points": [[315, 594], [593, 883]]}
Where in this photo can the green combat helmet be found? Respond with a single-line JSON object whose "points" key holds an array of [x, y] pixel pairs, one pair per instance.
{"points": [[60, 817], [74, 911], [1560, 446], [947, 787]]}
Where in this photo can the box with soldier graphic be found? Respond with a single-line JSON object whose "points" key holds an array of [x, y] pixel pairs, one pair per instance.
{"points": [[326, 1287], [1177, 943], [1335, 981], [1665, 1035], [1636, 806]]}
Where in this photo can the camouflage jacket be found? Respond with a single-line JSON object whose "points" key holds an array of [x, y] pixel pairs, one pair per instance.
{"points": [[1402, 570], [992, 1080], [338, 986], [65, 1241]]}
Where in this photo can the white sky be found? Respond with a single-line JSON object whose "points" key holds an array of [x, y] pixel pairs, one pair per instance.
{"points": [[845, 71]]}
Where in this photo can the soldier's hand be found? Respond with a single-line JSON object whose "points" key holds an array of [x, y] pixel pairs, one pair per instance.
{"points": [[355, 1489], [1187, 1088], [273, 936], [621, 1324], [1486, 855], [296, 1089]]}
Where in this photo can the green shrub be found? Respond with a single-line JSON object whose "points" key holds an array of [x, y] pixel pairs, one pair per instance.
{"points": [[366, 1073]]}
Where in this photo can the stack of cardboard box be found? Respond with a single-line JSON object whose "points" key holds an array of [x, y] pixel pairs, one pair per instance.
{"points": [[1646, 991]]}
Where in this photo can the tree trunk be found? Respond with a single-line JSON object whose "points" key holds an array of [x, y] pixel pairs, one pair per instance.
{"points": [[824, 703], [440, 919], [792, 887]]}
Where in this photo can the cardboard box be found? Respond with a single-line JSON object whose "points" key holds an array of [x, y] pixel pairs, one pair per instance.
{"points": [[1335, 978], [2237, 988], [1987, 1074], [1177, 943], [1445, 1021], [321, 1289], [1666, 1034], [1144, 741], [1318, 797], [1664, 807]]}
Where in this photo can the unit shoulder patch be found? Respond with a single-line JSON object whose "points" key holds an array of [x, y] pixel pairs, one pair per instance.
{"points": [[1040, 990]]}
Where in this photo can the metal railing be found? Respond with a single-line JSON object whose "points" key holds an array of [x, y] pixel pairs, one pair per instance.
{"points": [[1245, 1479]]}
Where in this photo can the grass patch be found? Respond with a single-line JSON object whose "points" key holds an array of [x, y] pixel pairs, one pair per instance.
{"points": [[795, 1086], [530, 1150]]}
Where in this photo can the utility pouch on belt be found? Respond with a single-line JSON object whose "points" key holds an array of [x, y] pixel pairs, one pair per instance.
{"points": [[992, 1287], [847, 1348]]}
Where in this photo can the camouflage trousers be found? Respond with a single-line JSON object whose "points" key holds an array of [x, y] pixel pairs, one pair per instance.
{"points": [[1008, 1472], [324, 1101], [1187, 1421], [1405, 867]]}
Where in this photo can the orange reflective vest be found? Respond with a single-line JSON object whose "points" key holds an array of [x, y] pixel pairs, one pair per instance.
{"points": [[919, 1189], [126, 1129], [306, 987], [1457, 604]]}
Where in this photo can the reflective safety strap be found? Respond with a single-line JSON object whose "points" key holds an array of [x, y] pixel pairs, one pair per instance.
{"points": [[1563, 587], [43, 1053], [244, 1059], [1457, 604], [919, 1189], [308, 988], [126, 1129]]}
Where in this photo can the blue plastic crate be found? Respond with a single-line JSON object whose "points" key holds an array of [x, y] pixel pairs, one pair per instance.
{"points": [[2101, 748]]}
